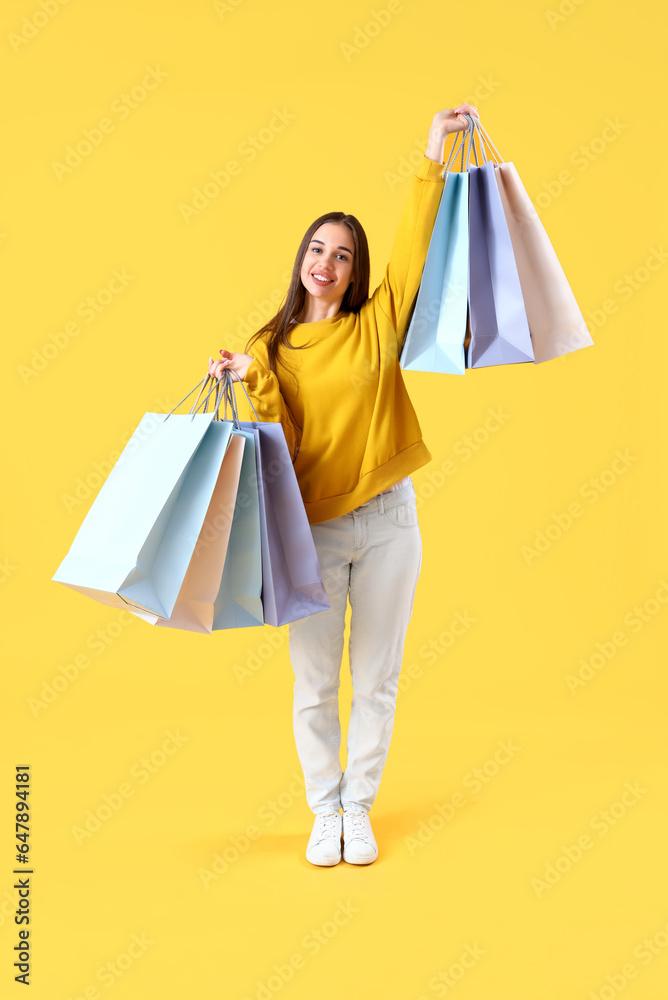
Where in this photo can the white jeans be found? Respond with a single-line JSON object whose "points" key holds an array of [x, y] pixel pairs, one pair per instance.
{"points": [[373, 553]]}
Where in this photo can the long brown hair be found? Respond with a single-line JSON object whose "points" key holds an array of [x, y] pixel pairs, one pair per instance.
{"points": [[278, 327]]}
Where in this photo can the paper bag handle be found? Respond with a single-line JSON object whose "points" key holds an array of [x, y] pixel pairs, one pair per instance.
{"points": [[467, 144], [220, 395]]}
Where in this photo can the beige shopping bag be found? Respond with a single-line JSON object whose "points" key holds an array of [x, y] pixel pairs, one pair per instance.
{"points": [[556, 324]]}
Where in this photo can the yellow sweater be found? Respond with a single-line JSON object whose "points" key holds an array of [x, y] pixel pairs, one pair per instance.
{"points": [[349, 424]]}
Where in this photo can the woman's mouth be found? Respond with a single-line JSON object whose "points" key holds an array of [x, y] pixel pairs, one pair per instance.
{"points": [[320, 279]]}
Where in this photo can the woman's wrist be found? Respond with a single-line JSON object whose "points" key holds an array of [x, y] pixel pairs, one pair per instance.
{"points": [[435, 146]]}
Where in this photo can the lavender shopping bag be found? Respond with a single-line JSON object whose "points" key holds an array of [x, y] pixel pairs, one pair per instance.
{"points": [[499, 328], [292, 584]]}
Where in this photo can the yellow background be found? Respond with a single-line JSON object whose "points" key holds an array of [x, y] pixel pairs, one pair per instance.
{"points": [[361, 99]]}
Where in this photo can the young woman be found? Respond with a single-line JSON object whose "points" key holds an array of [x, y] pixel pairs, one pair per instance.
{"points": [[327, 366]]}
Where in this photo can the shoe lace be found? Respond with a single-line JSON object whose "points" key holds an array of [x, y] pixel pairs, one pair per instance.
{"points": [[356, 823], [326, 826]]}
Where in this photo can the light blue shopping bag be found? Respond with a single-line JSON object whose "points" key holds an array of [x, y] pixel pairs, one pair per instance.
{"points": [[435, 337], [135, 544], [239, 600], [222, 587]]}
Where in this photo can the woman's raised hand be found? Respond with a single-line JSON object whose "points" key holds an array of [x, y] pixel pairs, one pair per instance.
{"points": [[445, 122], [453, 120], [237, 362]]}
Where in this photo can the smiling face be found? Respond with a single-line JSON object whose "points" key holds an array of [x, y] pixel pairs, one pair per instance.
{"points": [[329, 255]]}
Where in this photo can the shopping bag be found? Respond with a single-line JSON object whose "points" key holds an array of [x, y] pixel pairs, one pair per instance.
{"points": [[194, 607], [292, 585], [136, 542], [499, 327], [223, 584], [520, 306], [239, 599], [557, 326], [434, 339]]}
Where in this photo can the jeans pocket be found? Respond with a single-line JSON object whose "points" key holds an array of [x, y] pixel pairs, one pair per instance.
{"points": [[403, 515]]}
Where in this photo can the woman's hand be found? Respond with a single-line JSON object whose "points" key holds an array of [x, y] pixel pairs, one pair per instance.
{"points": [[237, 362], [445, 122]]}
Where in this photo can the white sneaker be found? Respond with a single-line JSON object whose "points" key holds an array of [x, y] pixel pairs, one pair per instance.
{"points": [[324, 846], [359, 844]]}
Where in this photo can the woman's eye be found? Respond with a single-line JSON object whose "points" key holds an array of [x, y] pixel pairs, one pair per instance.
{"points": [[318, 249]]}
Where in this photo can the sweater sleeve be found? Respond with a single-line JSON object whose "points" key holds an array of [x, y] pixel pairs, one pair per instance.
{"points": [[264, 389], [395, 296]]}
